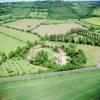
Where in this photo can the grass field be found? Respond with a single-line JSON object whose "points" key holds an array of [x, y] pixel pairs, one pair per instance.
{"points": [[38, 14], [19, 66], [25, 24], [20, 12], [8, 44], [96, 11], [92, 52], [56, 29], [93, 20], [77, 86], [24, 36]]}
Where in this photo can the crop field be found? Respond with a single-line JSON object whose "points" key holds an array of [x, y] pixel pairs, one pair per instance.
{"points": [[56, 29], [24, 36], [67, 87], [38, 15], [19, 66], [93, 20], [8, 44], [25, 24]]}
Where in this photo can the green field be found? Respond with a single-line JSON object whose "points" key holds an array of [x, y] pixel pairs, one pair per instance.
{"points": [[38, 14], [19, 66], [94, 20], [77, 86], [24, 36], [20, 12], [96, 11], [8, 44]]}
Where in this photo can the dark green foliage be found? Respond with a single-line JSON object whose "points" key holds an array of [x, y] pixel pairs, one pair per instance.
{"points": [[5, 8], [40, 58], [56, 9], [4, 57]]}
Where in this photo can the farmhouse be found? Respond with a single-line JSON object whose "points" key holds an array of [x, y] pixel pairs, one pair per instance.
{"points": [[60, 57]]}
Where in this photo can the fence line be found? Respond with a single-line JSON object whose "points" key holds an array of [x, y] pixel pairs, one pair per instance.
{"points": [[44, 75]]}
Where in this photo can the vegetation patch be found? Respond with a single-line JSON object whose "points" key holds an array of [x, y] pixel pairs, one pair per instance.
{"points": [[18, 66], [94, 20]]}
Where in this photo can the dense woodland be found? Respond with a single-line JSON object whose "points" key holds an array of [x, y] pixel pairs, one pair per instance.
{"points": [[57, 9]]}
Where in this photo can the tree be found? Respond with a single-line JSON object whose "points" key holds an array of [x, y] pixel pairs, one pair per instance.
{"points": [[11, 54], [4, 57], [41, 57]]}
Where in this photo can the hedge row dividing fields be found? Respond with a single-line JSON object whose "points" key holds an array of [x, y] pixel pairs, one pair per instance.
{"points": [[8, 44], [24, 36]]}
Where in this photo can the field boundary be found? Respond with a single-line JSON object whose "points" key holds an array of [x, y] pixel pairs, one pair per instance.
{"points": [[45, 75]]}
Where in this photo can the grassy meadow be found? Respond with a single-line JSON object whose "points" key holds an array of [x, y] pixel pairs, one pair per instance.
{"points": [[94, 20], [8, 44], [76, 86], [20, 35]]}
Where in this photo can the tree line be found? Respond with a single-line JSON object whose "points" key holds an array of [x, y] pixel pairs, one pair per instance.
{"points": [[84, 38]]}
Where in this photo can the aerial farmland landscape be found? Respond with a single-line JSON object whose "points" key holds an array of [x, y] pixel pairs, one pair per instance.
{"points": [[49, 50]]}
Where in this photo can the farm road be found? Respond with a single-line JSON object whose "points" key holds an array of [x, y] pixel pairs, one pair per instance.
{"points": [[52, 74]]}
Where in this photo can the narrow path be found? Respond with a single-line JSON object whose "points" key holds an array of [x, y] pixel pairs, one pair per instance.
{"points": [[52, 74]]}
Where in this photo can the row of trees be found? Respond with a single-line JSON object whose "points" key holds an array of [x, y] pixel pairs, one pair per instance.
{"points": [[86, 33], [85, 38]]}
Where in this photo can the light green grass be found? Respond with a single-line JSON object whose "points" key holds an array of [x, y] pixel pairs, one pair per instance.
{"points": [[94, 20], [77, 86], [5, 16], [20, 12], [92, 52], [96, 12], [59, 21], [38, 15], [19, 66], [8, 44], [24, 36]]}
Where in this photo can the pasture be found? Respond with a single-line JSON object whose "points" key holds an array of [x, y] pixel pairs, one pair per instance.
{"points": [[76, 86], [20, 35], [92, 53], [19, 66], [93, 20], [96, 11], [8, 44], [56, 29], [20, 12], [25, 24], [38, 15]]}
